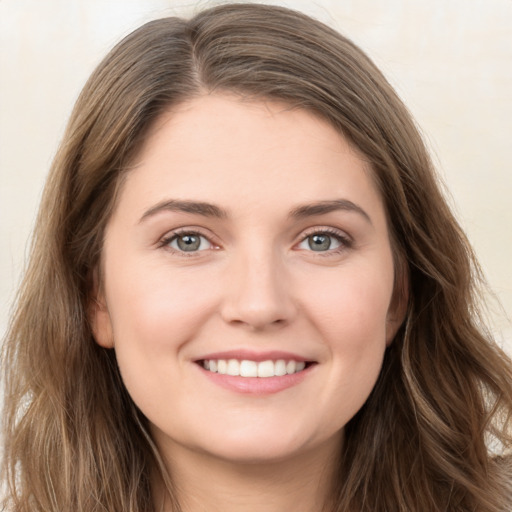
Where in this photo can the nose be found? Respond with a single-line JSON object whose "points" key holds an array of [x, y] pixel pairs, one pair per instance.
{"points": [[258, 293]]}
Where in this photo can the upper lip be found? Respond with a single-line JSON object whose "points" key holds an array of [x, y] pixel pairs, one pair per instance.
{"points": [[250, 355]]}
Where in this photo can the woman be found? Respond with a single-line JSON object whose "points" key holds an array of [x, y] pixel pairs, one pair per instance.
{"points": [[247, 292]]}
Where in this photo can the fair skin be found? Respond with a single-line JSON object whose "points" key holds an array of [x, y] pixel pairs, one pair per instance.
{"points": [[247, 232]]}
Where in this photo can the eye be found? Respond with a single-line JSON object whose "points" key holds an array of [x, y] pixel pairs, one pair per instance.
{"points": [[324, 241], [187, 242]]}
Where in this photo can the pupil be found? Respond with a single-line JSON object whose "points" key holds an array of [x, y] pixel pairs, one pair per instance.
{"points": [[319, 242], [189, 242]]}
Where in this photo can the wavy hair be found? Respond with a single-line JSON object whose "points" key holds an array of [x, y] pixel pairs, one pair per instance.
{"points": [[74, 440]]}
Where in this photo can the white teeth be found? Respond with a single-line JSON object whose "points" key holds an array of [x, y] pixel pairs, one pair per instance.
{"points": [[291, 367], [222, 366], [266, 369], [280, 367], [247, 368], [233, 367]]}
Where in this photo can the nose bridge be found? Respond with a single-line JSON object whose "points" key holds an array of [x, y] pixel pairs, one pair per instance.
{"points": [[258, 292]]}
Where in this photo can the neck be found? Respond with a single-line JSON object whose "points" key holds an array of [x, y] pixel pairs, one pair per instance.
{"points": [[201, 483]]}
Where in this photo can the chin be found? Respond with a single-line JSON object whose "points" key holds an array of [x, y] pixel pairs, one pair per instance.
{"points": [[263, 447], [251, 454]]}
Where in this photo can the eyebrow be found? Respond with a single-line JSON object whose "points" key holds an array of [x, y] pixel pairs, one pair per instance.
{"points": [[210, 210], [323, 207], [194, 207]]}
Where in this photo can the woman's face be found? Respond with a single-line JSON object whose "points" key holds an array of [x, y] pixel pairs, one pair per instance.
{"points": [[248, 238]]}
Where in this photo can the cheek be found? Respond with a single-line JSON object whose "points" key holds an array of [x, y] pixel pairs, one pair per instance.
{"points": [[153, 304], [351, 306], [351, 315], [354, 326], [155, 312]]}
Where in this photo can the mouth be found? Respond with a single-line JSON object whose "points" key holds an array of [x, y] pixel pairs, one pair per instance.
{"points": [[250, 368]]}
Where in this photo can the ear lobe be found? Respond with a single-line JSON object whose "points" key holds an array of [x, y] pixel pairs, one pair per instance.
{"points": [[99, 317], [393, 323], [398, 307]]}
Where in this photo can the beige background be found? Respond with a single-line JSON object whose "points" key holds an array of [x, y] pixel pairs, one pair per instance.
{"points": [[451, 61]]}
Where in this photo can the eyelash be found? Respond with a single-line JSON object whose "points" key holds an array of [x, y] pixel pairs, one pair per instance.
{"points": [[345, 241], [168, 239]]}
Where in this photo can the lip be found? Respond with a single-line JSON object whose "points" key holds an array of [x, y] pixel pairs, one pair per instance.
{"points": [[256, 386], [251, 355]]}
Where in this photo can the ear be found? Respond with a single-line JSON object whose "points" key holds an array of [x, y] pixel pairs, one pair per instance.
{"points": [[399, 304], [99, 317]]}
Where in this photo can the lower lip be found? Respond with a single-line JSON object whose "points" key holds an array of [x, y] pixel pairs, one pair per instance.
{"points": [[257, 385]]}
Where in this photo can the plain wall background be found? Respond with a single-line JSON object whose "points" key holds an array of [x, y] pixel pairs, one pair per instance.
{"points": [[450, 60]]}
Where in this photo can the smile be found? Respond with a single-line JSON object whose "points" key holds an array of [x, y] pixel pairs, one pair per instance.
{"points": [[248, 368]]}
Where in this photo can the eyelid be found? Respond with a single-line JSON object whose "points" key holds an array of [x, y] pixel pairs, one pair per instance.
{"points": [[325, 229], [166, 239], [344, 238]]}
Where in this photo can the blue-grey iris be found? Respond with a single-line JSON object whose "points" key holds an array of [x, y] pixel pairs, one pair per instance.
{"points": [[319, 242], [189, 242]]}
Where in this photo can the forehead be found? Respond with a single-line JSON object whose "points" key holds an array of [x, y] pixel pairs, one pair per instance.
{"points": [[221, 148]]}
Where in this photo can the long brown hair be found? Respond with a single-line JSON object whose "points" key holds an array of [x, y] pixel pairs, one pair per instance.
{"points": [[74, 440]]}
